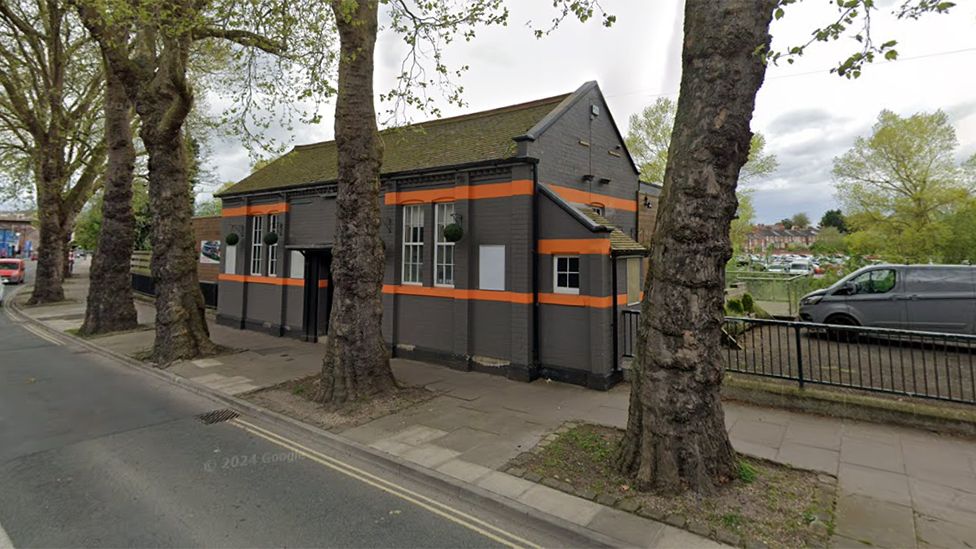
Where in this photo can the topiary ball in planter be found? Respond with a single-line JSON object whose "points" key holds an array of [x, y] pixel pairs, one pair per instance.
{"points": [[271, 239], [232, 239], [453, 232]]}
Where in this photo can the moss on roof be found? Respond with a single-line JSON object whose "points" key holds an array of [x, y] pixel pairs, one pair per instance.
{"points": [[619, 242], [475, 137]]}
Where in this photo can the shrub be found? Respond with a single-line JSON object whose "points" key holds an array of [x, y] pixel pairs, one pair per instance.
{"points": [[733, 307], [748, 305]]}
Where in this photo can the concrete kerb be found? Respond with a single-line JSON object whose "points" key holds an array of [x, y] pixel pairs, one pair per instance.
{"points": [[400, 467]]}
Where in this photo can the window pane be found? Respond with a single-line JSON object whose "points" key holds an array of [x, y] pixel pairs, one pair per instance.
{"points": [[562, 280], [574, 264], [561, 264], [574, 280]]}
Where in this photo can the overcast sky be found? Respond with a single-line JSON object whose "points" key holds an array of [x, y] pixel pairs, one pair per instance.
{"points": [[808, 115]]}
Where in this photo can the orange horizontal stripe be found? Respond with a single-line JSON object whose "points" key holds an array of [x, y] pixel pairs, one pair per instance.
{"points": [[586, 197], [273, 280], [519, 187], [575, 246], [458, 293], [256, 209], [596, 302]]}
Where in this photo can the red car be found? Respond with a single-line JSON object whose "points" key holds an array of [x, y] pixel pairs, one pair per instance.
{"points": [[12, 271]]}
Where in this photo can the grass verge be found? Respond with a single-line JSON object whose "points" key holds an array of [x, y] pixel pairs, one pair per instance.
{"points": [[768, 503]]}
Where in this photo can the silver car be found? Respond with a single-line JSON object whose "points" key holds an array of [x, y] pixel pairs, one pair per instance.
{"points": [[931, 298]]}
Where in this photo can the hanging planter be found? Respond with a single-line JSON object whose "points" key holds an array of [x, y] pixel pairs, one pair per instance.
{"points": [[270, 238], [453, 232], [232, 239]]}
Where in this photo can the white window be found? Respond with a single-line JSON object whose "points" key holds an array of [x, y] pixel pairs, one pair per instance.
{"points": [[443, 250], [273, 249], [566, 274], [413, 244], [230, 259], [257, 244], [296, 265], [491, 268], [633, 280]]}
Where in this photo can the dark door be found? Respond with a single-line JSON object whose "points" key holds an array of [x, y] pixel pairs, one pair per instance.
{"points": [[318, 294]]}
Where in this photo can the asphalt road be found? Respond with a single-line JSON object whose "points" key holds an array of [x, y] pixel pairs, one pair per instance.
{"points": [[96, 454]]}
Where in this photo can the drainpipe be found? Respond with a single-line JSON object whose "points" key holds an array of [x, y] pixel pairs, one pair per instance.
{"points": [[282, 265], [397, 268], [614, 364], [247, 263], [535, 268]]}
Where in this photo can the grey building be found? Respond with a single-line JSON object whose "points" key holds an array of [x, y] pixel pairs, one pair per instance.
{"points": [[546, 198]]}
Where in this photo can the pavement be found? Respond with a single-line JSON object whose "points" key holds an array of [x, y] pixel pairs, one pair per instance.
{"points": [[897, 487]]}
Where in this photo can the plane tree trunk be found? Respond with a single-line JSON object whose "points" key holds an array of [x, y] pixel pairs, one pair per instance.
{"points": [[163, 103], [676, 438], [109, 306], [49, 277], [357, 362]]}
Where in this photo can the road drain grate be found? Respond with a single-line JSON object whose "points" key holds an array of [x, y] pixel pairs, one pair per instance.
{"points": [[217, 416]]}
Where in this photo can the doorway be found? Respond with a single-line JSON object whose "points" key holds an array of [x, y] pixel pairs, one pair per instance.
{"points": [[318, 294]]}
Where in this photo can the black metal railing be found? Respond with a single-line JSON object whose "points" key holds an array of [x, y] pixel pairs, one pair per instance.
{"points": [[910, 363], [901, 362], [144, 284]]}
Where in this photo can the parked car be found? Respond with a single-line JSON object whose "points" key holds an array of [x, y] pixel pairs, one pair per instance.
{"points": [[12, 271], [800, 267], [931, 298]]}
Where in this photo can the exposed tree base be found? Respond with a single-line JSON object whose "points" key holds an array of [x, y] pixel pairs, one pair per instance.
{"points": [[346, 378]]}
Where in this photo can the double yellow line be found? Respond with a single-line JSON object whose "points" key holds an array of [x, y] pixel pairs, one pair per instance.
{"points": [[502, 537]]}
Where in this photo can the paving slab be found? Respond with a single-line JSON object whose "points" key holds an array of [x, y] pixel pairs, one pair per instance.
{"points": [[463, 470], [871, 453], [392, 447], [429, 456], [942, 533], [556, 503], [875, 483], [754, 450], [466, 438], [761, 432], [878, 522], [808, 457], [505, 485], [944, 502], [634, 530], [818, 433], [676, 538], [417, 434]]}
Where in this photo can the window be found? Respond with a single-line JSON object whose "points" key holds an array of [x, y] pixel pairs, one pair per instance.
{"points": [[273, 249], [443, 250], [491, 267], [875, 282], [598, 209], [566, 274], [296, 265], [230, 259], [257, 244], [633, 280], [413, 244]]}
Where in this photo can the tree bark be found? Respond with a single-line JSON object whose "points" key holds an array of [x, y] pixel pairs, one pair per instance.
{"points": [[110, 307], [357, 362], [676, 438], [163, 104], [49, 278]]}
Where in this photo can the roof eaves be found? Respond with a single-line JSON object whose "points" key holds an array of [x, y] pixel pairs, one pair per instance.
{"points": [[576, 214]]}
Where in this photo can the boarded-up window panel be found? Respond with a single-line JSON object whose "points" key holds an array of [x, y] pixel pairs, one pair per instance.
{"points": [[296, 265], [491, 268], [633, 280], [230, 260]]}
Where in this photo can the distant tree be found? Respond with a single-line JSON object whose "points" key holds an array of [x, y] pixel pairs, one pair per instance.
{"points": [[961, 245], [649, 138], [829, 241], [742, 223], [786, 222], [901, 183], [212, 206], [800, 220], [834, 218]]}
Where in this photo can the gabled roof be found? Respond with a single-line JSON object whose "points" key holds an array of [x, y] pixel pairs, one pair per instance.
{"points": [[476, 137], [619, 241]]}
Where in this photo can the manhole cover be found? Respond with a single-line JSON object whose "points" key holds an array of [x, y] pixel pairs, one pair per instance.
{"points": [[217, 416]]}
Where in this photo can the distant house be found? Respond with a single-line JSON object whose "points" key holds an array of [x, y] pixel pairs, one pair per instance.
{"points": [[18, 236], [546, 196], [778, 237]]}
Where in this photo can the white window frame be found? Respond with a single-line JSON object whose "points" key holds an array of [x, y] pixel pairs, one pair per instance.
{"points": [[273, 227], [555, 274], [257, 244], [230, 259], [296, 265], [413, 217], [633, 266], [443, 216]]}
